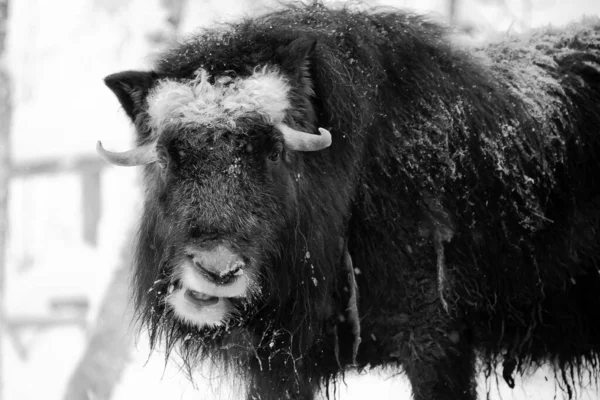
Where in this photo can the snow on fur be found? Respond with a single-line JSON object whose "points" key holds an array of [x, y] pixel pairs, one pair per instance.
{"points": [[198, 102]]}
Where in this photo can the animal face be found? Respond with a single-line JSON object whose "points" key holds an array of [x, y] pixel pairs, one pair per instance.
{"points": [[220, 163]]}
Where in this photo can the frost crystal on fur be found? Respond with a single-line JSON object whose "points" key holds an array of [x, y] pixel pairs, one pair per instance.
{"points": [[198, 102]]}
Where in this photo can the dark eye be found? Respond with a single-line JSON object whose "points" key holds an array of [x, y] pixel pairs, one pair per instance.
{"points": [[276, 151]]}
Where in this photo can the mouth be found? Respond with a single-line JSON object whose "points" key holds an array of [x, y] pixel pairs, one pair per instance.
{"points": [[200, 299], [201, 295]]}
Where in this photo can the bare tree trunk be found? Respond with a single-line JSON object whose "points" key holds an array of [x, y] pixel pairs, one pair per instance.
{"points": [[452, 6], [109, 343], [5, 122], [527, 14], [175, 10]]}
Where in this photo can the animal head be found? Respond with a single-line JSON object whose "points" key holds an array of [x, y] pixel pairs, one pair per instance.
{"points": [[223, 154]]}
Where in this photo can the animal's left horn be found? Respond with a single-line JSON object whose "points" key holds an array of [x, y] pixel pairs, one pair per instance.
{"points": [[142, 155], [303, 141]]}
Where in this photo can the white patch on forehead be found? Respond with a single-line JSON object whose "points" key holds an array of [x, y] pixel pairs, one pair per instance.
{"points": [[198, 102]]}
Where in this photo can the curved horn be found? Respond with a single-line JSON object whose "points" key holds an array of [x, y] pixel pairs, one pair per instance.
{"points": [[303, 141], [142, 155]]}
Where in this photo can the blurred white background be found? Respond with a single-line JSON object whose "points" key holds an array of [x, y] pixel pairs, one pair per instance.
{"points": [[65, 330]]}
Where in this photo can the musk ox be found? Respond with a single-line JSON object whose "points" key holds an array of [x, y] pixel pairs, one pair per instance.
{"points": [[328, 189]]}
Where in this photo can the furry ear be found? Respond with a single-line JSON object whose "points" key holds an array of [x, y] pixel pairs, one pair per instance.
{"points": [[131, 88], [297, 60]]}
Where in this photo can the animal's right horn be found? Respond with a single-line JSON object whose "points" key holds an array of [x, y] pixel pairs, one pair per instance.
{"points": [[142, 155]]}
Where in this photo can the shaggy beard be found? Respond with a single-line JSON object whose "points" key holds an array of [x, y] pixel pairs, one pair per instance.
{"points": [[227, 344], [169, 333]]}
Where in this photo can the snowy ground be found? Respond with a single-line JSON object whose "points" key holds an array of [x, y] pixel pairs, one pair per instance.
{"points": [[59, 52], [152, 379]]}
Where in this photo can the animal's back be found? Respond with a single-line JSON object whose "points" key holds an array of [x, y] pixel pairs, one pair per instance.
{"points": [[496, 164], [555, 75]]}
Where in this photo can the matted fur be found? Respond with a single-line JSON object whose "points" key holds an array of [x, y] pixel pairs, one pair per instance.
{"points": [[200, 103], [500, 149]]}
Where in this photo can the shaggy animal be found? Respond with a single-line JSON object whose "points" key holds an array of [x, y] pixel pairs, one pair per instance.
{"points": [[328, 189]]}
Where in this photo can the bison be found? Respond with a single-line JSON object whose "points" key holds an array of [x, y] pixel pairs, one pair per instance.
{"points": [[330, 189]]}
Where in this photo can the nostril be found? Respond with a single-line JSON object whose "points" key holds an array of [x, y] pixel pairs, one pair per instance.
{"points": [[220, 278], [202, 270], [208, 274], [217, 264]]}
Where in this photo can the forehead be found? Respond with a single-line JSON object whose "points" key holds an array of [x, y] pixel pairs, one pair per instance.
{"points": [[198, 102]]}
